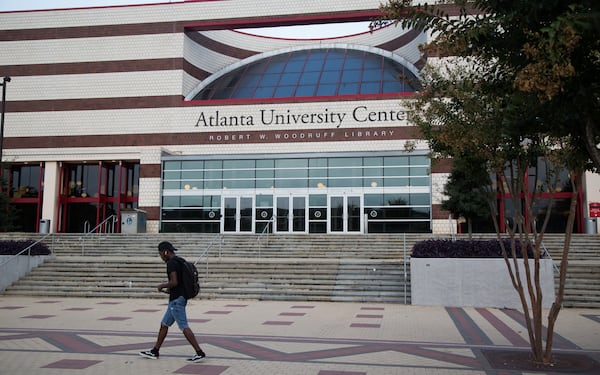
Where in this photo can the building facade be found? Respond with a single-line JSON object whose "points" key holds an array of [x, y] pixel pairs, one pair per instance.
{"points": [[186, 112]]}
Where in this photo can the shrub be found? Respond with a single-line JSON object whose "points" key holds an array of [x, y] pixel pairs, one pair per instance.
{"points": [[464, 249], [15, 247]]}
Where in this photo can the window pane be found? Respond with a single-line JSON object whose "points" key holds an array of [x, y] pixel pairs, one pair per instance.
{"points": [[314, 172], [348, 89], [171, 165], [171, 175], [374, 171], [289, 79], [292, 183], [419, 199], [192, 175], [171, 201], [238, 183], [283, 91], [171, 184], [326, 90], [192, 165], [396, 171], [419, 171], [306, 90], [265, 163], [309, 78], [238, 164], [353, 62], [313, 65], [370, 88], [333, 64], [393, 181], [264, 200], [291, 163], [419, 160], [263, 92], [330, 77], [291, 173], [317, 200], [373, 199], [191, 201], [295, 65], [396, 199]]}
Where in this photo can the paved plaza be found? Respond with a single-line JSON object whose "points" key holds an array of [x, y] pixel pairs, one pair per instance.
{"points": [[103, 336]]}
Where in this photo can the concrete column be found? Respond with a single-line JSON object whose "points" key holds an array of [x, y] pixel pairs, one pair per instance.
{"points": [[50, 205]]}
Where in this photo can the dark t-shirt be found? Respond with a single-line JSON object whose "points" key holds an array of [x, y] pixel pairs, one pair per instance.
{"points": [[174, 265]]}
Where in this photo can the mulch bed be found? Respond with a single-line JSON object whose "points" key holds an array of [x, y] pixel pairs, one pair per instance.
{"points": [[521, 360]]}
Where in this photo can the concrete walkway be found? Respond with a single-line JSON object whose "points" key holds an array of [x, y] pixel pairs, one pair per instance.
{"points": [[104, 336]]}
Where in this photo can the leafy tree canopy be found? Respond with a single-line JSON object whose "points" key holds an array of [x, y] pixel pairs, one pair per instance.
{"points": [[543, 55]]}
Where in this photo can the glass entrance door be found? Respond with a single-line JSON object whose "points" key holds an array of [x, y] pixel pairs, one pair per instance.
{"points": [[237, 214], [345, 214], [291, 214]]}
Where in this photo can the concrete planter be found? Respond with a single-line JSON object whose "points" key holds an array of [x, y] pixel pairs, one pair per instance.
{"points": [[18, 267], [475, 282]]}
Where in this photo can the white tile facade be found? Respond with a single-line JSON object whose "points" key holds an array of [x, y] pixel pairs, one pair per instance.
{"points": [[174, 44], [175, 83]]}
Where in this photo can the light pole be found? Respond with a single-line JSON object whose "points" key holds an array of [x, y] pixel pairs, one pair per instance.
{"points": [[5, 80]]}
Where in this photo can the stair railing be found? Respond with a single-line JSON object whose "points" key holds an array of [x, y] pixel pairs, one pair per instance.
{"points": [[405, 269], [106, 226], [264, 234], [547, 254], [216, 239]]}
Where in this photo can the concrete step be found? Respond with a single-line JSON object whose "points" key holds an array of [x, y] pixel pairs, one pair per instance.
{"points": [[292, 267], [272, 278]]}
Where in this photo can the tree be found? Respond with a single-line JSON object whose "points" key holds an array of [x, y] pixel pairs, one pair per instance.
{"points": [[463, 189], [510, 92]]}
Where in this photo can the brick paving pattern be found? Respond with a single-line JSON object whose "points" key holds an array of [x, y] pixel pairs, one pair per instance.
{"points": [[99, 336]]}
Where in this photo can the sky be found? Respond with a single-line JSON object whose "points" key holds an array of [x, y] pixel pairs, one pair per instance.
{"points": [[299, 32]]}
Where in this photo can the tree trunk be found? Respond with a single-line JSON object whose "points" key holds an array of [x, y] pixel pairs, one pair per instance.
{"points": [[576, 181]]}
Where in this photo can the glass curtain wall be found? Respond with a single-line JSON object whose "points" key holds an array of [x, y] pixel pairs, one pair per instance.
{"points": [[377, 194], [92, 192], [25, 183]]}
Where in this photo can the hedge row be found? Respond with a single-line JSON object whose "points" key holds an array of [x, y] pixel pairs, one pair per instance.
{"points": [[464, 249], [15, 247]]}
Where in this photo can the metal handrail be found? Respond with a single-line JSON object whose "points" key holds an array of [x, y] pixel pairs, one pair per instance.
{"points": [[28, 249], [208, 247], [405, 268], [112, 219], [265, 233], [547, 253]]}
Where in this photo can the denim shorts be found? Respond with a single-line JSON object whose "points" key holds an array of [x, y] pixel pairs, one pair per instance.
{"points": [[176, 313]]}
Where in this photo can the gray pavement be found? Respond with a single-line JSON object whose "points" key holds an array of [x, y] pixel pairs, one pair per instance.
{"points": [[103, 336]]}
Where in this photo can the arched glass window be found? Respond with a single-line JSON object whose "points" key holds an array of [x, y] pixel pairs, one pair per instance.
{"points": [[320, 72]]}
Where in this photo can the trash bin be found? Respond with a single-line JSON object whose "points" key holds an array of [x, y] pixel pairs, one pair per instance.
{"points": [[45, 226], [591, 225], [133, 221]]}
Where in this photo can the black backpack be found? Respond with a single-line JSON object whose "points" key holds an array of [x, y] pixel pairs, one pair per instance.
{"points": [[189, 278]]}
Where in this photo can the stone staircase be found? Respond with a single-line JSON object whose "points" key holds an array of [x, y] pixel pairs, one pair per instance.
{"points": [[365, 268], [582, 284], [237, 267]]}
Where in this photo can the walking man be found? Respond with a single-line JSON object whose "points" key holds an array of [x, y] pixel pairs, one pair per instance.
{"points": [[177, 303]]}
